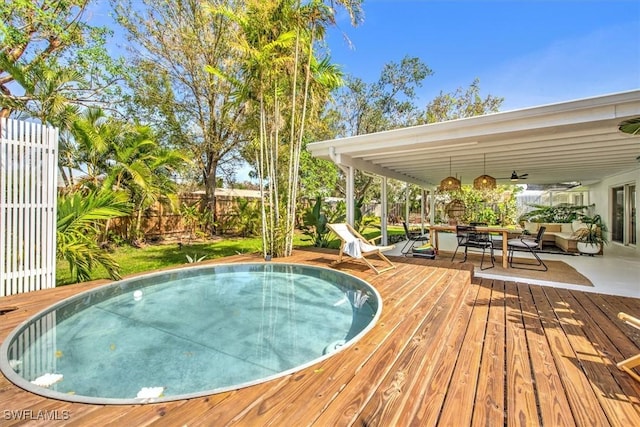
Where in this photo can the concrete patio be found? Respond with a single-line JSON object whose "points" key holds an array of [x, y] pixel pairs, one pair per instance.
{"points": [[617, 272]]}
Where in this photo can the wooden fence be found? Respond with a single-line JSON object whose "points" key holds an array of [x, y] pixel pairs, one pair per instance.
{"points": [[28, 172], [161, 222]]}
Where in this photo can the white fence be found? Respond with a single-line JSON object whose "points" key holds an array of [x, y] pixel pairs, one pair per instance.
{"points": [[28, 172]]}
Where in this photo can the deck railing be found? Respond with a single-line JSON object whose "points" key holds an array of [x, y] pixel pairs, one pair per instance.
{"points": [[28, 172]]}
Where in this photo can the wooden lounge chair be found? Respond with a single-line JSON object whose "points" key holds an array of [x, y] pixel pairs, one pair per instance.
{"points": [[627, 365], [358, 247]]}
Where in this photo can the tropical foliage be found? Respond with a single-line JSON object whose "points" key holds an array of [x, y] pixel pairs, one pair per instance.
{"points": [[316, 218], [593, 232], [50, 56], [81, 220], [563, 212], [224, 81], [494, 207], [246, 217]]}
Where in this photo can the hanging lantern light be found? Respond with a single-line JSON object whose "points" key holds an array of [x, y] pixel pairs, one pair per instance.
{"points": [[484, 181], [450, 183]]}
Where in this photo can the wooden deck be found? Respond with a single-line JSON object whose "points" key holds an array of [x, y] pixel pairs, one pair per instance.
{"points": [[448, 350]]}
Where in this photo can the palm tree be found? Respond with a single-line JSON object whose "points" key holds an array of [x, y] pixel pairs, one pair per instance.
{"points": [[139, 166], [281, 76], [94, 133], [81, 218], [66, 144]]}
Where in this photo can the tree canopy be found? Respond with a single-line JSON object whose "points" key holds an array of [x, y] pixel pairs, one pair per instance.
{"points": [[50, 57], [225, 81], [391, 102]]}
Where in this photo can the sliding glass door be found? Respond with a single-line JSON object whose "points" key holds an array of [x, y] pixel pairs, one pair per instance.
{"points": [[632, 212], [623, 215]]}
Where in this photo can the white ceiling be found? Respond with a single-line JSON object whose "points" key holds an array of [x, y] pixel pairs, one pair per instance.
{"points": [[565, 142]]}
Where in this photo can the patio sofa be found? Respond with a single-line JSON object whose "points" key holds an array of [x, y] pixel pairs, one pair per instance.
{"points": [[560, 234]]}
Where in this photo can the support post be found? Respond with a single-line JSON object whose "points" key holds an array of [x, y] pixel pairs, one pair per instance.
{"points": [[384, 214], [350, 196], [432, 206], [406, 203], [423, 194]]}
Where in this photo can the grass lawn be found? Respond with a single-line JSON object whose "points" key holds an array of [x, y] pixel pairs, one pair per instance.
{"points": [[153, 257]]}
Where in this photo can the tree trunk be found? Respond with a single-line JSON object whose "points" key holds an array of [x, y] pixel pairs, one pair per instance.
{"points": [[5, 112], [210, 192], [65, 178]]}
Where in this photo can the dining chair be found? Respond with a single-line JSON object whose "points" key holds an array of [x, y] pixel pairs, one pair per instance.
{"points": [[412, 237], [468, 236], [529, 245]]}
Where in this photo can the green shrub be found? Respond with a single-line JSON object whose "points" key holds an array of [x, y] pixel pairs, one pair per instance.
{"points": [[562, 213], [315, 220]]}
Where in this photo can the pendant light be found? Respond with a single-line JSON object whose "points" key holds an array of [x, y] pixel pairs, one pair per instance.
{"points": [[450, 183], [484, 181]]}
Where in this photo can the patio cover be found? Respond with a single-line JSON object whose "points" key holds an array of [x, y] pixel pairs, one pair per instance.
{"points": [[575, 141]]}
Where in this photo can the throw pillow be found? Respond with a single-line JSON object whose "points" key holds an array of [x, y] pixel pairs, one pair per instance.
{"points": [[531, 227]]}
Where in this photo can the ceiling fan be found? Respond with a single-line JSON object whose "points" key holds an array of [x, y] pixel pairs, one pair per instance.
{"points": [[515, 177]]}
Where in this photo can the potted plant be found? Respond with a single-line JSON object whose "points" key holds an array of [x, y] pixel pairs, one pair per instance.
{"points": [[591, 237]]}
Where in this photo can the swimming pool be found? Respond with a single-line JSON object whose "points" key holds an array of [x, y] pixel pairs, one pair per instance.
{"points": [[189, 332]]}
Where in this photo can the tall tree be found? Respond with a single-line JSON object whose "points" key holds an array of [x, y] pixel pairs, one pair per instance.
{"points": [[461, 103], [390, 103], [285, 80], [386, 104], [173, 43], [50, 56]]}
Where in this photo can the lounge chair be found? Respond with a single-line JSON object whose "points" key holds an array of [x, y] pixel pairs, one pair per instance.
{"points": [[627, 365], [358, 247]]}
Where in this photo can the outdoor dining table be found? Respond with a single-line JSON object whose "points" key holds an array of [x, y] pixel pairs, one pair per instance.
{"points": [[433, 231]]}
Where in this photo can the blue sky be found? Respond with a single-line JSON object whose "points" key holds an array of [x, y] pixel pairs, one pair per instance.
{"points": [[529, 52]]}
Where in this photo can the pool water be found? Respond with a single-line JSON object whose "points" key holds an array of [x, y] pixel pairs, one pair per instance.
{"points": [[190, 332]]}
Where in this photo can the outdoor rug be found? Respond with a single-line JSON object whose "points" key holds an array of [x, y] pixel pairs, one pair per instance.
{"points": [[559, 271]]}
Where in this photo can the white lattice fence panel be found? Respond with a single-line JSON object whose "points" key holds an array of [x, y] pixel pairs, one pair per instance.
{"points": [[28, 172]]}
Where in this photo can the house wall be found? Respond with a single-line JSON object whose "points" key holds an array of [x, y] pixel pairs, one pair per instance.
{"points": [[600, 194]]}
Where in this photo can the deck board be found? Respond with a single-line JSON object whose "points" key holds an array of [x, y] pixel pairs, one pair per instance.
{"points": [[449, 349], [554, 408], [410, 366], [584, 404], [460, 395], [444, 361], [489, 408]]}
